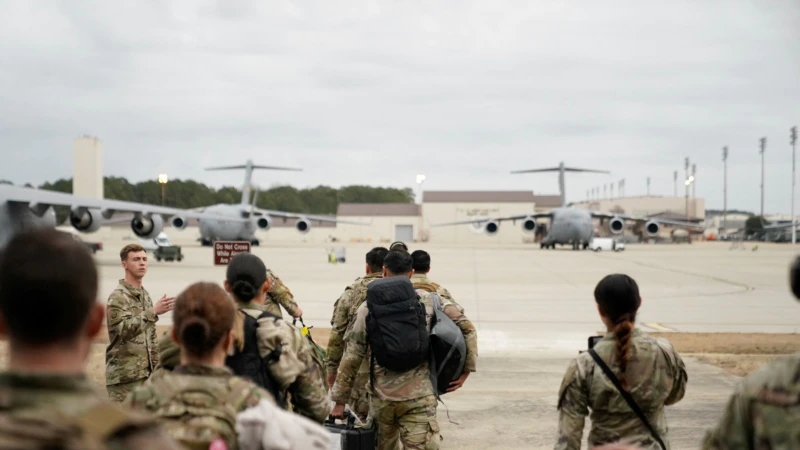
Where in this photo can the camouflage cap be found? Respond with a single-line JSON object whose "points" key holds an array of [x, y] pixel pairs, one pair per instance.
{"points": [[398, 245]]}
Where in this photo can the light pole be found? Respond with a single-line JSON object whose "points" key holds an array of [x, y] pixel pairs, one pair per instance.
{"points": [[724, 189], [648, 186], [761, 152], [420, 180], [162, 178], [793, 141], [687, 183], [675, 180]]}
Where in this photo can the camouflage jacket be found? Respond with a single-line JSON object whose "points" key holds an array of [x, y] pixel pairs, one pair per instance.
{"points": [[197, 404], [37, 410], [656, 377], [344, 314], [764, 410], [298, 371], [421, 281], [279, 295], [396, 386], [131, 353]]}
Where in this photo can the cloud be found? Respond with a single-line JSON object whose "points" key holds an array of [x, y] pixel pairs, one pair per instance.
{"points": [[374, 92]]}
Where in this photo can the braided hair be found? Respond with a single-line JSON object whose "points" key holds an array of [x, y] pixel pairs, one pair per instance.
{"points": [[619, 300]]}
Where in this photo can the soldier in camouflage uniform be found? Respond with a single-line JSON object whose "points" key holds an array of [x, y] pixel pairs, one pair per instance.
{"points": [[763, 410], [46, 398], [131, 353], [403, 405], [422, 265], [193, 398], [280, 295], [650, 369], [344, 314]]}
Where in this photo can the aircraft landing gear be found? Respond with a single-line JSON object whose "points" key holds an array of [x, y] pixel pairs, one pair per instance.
{"points": [[205, 242], [254, 242], [585, 245]]}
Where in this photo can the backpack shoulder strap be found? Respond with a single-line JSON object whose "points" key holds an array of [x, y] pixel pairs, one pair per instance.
{"points": [[436, 301], [627, 396]]}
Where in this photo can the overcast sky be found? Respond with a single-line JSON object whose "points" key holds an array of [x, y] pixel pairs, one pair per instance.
{"points": [[374, 92]]}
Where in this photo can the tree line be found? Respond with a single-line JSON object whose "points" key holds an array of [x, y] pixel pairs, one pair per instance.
{"points": [[187, 194]]}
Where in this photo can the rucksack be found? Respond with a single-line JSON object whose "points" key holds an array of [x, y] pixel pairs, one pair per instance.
{"points": [[397, 329], [249, 364], [92, 428], [448, 348], [197, 410]]}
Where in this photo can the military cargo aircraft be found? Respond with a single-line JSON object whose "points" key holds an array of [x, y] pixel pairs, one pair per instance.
{"points": [[23, 209], [245, 218], [570, 225]]}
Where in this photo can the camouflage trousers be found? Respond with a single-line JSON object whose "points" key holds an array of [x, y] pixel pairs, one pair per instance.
{"points": [[359, 398], [413, 422], [118, 392]]}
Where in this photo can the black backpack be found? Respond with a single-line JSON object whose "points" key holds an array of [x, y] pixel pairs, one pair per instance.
{"points": [[248, 362], [397, 331]]}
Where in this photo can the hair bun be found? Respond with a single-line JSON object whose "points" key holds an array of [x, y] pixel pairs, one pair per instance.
{"points": [[194, 334], [243, 290]]}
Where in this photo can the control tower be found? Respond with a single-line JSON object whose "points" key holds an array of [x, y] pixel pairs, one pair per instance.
{"points": [[87, 178]]}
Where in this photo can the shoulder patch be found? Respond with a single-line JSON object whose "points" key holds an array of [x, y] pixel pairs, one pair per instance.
{"points": [[570, 377]]}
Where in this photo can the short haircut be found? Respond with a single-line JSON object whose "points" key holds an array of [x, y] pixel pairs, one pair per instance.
{"points": [[48, 286], [375, 258], [398, 245], [130, 248], [398, 262], [422, 261]]}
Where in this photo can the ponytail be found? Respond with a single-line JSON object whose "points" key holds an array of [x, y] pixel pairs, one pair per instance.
{"points": [[622, 331]]}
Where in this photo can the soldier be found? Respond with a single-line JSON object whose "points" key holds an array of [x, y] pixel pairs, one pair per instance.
{"points": [[762, 412], [344, 313], [422, 266], [46, 397], [403, 404], [132, 353], [207, 395], [280, 295], [267, 349], [655, 377]]}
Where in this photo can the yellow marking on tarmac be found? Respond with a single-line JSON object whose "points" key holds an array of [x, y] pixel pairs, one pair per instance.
{"points": [[658, 327]]}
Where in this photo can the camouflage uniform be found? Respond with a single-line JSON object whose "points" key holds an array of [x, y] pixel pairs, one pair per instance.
{"points": [[656, 377], [421, 281], [131, 353], [38, 410], [763, 411], [298, 372], [213, 392], [402, 404], [344, 314], [279, 295]]}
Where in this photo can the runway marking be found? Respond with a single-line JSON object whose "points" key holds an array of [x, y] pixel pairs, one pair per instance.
{"points": [[658, 327]]}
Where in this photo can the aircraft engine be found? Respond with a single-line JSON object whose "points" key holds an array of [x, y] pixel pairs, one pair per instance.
{"points": [[264, 223], [651, 228], [147, 227], [179, 222], [616, 225], [303, 226], [529, 225], [86, 221], [491, 228]]}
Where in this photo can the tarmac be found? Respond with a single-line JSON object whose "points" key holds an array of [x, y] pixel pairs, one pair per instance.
{"points": [[534, 310]]}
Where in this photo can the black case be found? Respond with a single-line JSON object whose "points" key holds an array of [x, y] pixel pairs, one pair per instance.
{"points": [[350, 437]]}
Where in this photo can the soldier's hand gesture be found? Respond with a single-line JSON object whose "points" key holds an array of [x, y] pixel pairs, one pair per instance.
{"points": [[164, 305]]}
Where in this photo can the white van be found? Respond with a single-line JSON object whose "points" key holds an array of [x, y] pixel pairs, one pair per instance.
{"points": [[599, 244]]}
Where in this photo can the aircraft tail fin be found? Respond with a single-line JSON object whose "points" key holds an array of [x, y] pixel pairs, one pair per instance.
{"points": [[248, 175], [561, 169]]}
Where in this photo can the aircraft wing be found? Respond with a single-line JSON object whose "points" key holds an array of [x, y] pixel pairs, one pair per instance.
{"points": [[312, 217], [499, 219], [40, 197], [677, 223]]}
